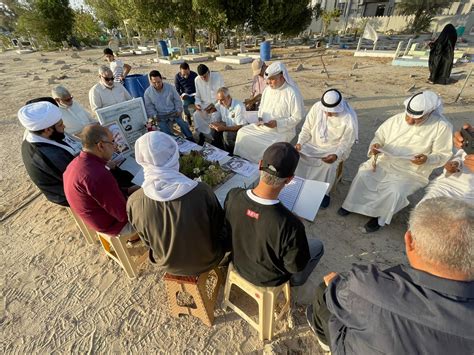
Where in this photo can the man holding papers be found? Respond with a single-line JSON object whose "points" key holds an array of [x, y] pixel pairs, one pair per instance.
{"points": [[269, 243], [405, 150], [326, 139]]}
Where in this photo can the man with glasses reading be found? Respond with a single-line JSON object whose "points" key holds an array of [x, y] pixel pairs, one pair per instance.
{"points": [[75, 117], [405, 150], [107, 92], [91, 190]]}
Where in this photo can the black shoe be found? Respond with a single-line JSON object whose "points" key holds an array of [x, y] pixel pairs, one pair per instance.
{"points": [[326, 202], [312, 326], [190, 121], [372, 225], [202, 139], [343, 212]]}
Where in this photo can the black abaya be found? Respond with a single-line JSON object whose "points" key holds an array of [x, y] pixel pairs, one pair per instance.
{"points": [[442, 55]]}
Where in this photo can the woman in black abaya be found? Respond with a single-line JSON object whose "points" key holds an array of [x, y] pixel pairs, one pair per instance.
{"points": [[442, 55]]}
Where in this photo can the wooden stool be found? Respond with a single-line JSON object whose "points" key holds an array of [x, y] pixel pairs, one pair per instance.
{"points": [[89, 234], [265, 297], [204, 303], [116, 248]]}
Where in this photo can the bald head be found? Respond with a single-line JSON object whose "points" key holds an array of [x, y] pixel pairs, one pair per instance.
{"points": [[93, 134]]}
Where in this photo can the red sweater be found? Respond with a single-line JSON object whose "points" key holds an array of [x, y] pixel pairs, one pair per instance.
{"points": [[94, 195]]}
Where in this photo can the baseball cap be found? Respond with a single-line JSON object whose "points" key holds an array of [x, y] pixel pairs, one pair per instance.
{"points": [[280, 159], [257, 66]]}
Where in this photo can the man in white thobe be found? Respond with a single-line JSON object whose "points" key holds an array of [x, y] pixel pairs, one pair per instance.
{"points": [[207, 83], [74, 116], [281, 109], [326, 139], [405, 150], [456, 181], [106, 92]]}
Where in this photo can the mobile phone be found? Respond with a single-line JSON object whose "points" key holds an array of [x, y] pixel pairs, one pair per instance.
{"points": [[468, 141]]}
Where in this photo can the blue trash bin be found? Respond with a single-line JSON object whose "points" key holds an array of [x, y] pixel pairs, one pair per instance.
{"points": [[265, 50], [136, 84]]}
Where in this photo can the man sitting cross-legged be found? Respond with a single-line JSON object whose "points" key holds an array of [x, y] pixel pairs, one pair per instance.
{"points": [[269, 243], [426, 307]]}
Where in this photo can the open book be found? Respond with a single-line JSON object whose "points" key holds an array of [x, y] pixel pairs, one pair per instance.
{"points": [[303, 197]]}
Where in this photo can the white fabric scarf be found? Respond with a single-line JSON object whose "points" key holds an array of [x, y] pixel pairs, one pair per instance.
{"points": [[279, 67], [34, 138], [427, 101], [158, 154], [322, 119]]}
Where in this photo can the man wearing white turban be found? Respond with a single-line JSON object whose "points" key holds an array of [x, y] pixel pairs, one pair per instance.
{"points": [[281, 109], [326, 139], [179, 219], [46, 150], [405, 150]]}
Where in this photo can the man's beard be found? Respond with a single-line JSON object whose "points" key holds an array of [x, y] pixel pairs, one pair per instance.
{"points": [[57, 136]]}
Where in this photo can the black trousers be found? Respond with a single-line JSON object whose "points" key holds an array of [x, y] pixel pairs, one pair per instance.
{"points": [[321, 314]]}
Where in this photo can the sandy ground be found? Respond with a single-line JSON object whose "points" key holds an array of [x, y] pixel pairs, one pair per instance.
{"points": [[62, 296]]}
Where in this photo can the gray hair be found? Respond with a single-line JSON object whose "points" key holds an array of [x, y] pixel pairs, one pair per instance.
{"points": [[224, 91], [272, 180], [443, 233], [103, 69], [60, 92]]}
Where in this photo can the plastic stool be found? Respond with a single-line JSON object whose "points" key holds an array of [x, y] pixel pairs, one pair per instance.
{"points": [[196, 287], [116, 248], [87, 232], [264, 296]]}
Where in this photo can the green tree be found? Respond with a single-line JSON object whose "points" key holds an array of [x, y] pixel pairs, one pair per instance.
{"points": [[286, 17], [49, 19], [86, 27], [8, 15], [328, 17], [424, 11], [105, 11]]}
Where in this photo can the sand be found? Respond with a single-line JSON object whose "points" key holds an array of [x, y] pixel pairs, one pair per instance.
{"points": [[62, 295]]}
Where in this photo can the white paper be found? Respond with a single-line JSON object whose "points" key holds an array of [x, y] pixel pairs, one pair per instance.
{"points": [[407, 157], [290, 192], [131, 165], [186, 146], [241, 166], [311, 151], [251, 116], [139, 179], [212, 153]]}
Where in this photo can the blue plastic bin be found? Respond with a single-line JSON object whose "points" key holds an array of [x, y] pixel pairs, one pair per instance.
{"points": [[136, 84], [265, 50]]}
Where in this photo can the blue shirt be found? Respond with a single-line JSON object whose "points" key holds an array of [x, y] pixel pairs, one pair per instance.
{"points": [[162, 102], [400, 310], [185, 85]]}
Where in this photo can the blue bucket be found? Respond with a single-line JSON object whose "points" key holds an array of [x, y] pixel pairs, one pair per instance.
{"points": [[136, 84], [265, 51], [164, 48]]}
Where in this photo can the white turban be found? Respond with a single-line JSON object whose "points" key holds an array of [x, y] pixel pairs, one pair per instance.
{"points": [[423, 103], [332, 101], [158, 154], [279, 67], [39, 115]]}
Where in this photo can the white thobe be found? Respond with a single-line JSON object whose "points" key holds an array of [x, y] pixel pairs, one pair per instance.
{"points": [[102, 96], [75, 117], [384, 192], [286, 106], [339, 141], [459, 185], [206, 94]]}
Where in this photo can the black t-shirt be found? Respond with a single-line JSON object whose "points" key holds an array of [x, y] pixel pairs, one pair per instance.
{"points": [[268, 241]]}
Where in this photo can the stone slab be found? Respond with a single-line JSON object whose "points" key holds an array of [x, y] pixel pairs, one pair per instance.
{"points": [[234, 59]]}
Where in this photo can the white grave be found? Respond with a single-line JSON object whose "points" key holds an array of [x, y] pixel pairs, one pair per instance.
{"points": [[234, 59]]}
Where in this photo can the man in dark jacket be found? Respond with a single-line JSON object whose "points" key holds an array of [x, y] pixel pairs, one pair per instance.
{"points": [[426, 307], [46, 150]]}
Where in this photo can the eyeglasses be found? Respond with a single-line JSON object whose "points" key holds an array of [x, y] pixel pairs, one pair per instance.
{"points": [[108, 79], [68, 98]]}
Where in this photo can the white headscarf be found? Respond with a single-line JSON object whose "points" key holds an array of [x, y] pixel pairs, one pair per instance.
{"points": [[39, 115], [332, 101], [279, 67], [158, 154], [423, 103]]}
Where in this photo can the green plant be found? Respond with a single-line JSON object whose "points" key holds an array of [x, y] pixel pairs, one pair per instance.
{"points": [[195, 166]]}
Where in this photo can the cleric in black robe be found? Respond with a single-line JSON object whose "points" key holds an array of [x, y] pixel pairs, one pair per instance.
{"points": [[442, 55]]}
